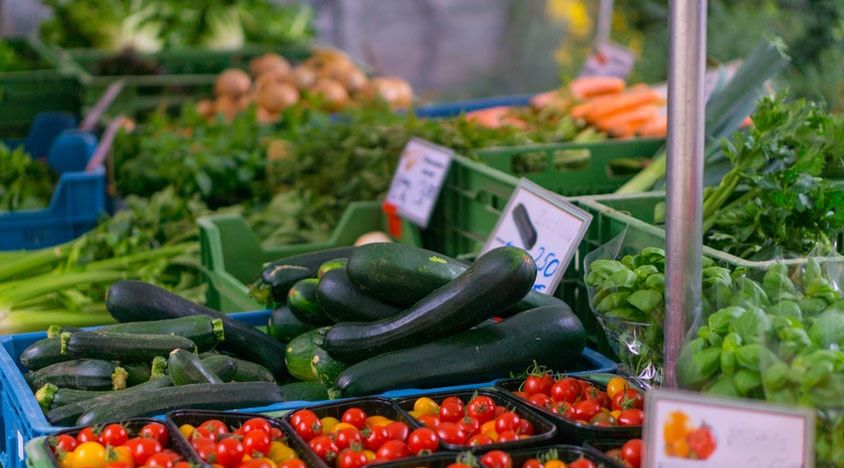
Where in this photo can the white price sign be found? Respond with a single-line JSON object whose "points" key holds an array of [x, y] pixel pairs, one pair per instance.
{"points": [[692, 430], [544, 224], [418, 179], [609, 59]]}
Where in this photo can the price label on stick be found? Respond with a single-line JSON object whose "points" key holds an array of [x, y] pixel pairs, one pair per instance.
{"points": [[692, 430], [418, 179], [546, 225], [609, 59]]}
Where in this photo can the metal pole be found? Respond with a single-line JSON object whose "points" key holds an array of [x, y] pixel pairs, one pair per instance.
{"points": [[602, 33], [686, 105]]}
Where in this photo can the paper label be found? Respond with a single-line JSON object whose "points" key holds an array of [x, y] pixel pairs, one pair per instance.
{"points": [[418, 179], [609, 59]]}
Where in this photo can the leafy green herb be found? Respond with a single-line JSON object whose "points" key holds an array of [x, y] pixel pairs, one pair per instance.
{"points": [[24, 183]]}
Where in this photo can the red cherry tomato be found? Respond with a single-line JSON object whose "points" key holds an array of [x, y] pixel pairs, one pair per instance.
{"points": [[547, 383], [114, 435], [429, 420], [392, 450], [142, 448], [628, 399], [508, 421], [374, 437], [469, 425], [354, 416], [586, 410], [631, 452], [276, 434], [299, 415], [308, 428], [324, 447], [229, 452], [160, 459], [451, 433], [499, 410], [582, 463], [158, 432], [295, 463], [521, 395], [540, 399], [450, 412], [453, 399], [525, 427], [257, 463], [203, 433], [350, 458], [496, 459], [631, 417], [507, 436], [533, 384], [344, 438], [532, 463], [397, 430], [87, 435], [481, 408], [480, 439], [459, 465], [423, 441], [566, 390], [259, 424], [206, 449], [256, 442], [63, 443]]}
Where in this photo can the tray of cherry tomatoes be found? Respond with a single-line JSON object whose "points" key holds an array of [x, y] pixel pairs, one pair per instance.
{"points": [[361, 432], [624, 453], [479, 420], [127, 444], [240, 440], [582, 408], [554, 456]]}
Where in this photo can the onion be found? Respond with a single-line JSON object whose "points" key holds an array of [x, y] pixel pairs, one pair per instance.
{"points": [[226, 105], [374, 237], [266, 117], [268, 62], [332, 93], [302, 77], [232, 82], [275, 97], [395, 91], [353, 79]]}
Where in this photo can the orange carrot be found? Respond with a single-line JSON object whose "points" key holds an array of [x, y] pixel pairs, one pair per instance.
{"points": [[490, 117], [634, 119], [546, 99], [587, 87], [747, 122], [657, 127], [582, 110], [624, 102]]}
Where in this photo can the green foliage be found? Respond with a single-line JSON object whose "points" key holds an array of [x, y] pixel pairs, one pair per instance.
{"points": [[24, 183]]}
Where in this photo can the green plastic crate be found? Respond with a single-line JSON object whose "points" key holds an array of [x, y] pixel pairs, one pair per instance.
{"points": [[232, 256]]}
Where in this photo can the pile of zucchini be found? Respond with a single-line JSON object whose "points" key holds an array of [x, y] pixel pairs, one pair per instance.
{"points": [[364, 320]]}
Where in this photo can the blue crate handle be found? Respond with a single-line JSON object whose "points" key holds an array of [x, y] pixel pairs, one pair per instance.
{"points": [[71, 151], [44, 130]]}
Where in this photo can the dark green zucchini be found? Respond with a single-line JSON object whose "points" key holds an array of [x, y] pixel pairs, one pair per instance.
{"points": [[323, 365], [496, 280], [136, 301], [303, 303], [124, 347], [304, 391], [250, 372], [331, 265], [136, 373], [51, 397], [55, 331], [186, 368], [342, 301], [404, 275], [284, 326], [205, 332], [313, 260], [281, 278], [66, 415], [221, 365], [549, 336], [308, 361], [83, 374], [42, 353], [223, 396]]}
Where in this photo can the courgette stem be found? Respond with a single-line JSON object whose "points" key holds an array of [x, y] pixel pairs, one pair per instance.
{"points": [[118, 378], [45, 396], [158, 368], [218, 330]]}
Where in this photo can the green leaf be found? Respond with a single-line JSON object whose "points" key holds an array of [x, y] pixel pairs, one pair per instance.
{"points": [[646, 300]]}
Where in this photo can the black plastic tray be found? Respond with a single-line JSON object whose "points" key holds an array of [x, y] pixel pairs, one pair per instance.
{"points": [[233, 420], [568, 453], [544, 429], [568, 430], [604, 445], [133, 426]]}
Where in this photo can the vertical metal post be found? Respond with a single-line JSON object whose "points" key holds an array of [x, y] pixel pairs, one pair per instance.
{"points": [[684, 210], [602, 32]]}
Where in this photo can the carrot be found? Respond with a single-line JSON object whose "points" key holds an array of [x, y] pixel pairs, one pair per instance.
{"points": [[656, 127], [581, 110], [634, 118], [747, 122], [490, 117], [554, 98], [624, 102], [587, 87]]}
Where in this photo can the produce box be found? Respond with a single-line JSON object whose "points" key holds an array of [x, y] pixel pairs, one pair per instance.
{"points": [[77, 202], [453, 109], [41, 83], [232, 255], [565, 453]]}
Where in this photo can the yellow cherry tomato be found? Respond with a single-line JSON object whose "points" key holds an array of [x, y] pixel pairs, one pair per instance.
{"points": [[377, 421], [554, 464], [328, 423], [280, 453], [267, 461], [615, 413], [492, 435], [186, 430], [89, 455], [66, 460], [414, 414], [120, 454], [339, 426], [247, 457], [488, 426], [426, 406], [616, 385], [370, 455]]}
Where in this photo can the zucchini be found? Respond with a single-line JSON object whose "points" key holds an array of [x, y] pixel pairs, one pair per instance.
{"points": [[404, 275], [250, 372], [307, 361], [304, 391], [124, 347], [496, 280], [83, 374], [342, 301], [205, 332], [42, 353], [284, 326], [313, 260], [51, 397], [186, 368], [221, 365], [222, 396], [332, 264], [323, 365], [281, 278], [136, 373], [303, 303], [68, 414], [136, 301], [550, 336]]}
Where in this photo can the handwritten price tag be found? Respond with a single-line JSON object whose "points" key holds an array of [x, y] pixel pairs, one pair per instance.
{"points": [[609, 59], [545, 225], [418, 179], [691, 430]]}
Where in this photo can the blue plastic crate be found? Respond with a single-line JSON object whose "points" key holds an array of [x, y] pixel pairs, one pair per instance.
{"points": [[77, 203], [451, 109]]}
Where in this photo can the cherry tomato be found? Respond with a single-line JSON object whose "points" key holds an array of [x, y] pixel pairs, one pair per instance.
{"points": [[117, 464], [547, 382], [631, 452], [507, 436], [114, 435], [540, 399], [182, 464], [521, 395], [628, 399], [89, 454], [586, 410], [324, 447], [496, 459], [453, 399], [354, 416], [203, 433], [631, 417], [429, 420], [450, 412], [345, 438], [481, 408], [469, 425], [256, 441], [308, 428], [257, 463], [480, 439], [533, 463], [392, 450], [582, 463], [206, 449], [158, 432], [459, 465], [349, 458], [615, 455], [259, 424], [594, 393], [525, 427], [295, 463], [616, 385], [499, 410], [566, 390], [87, 435], [303, 413], [160, 459], [397, 431], [425, 406], [603, 420], [63, 443], [229, 452], [142, 448], [276, 434], [508, 421], [423, 441], [451, 433], [534, 384], [374, 437]]}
